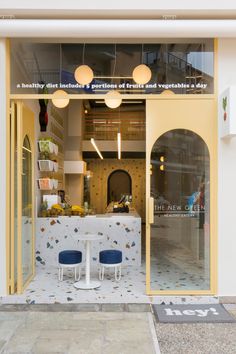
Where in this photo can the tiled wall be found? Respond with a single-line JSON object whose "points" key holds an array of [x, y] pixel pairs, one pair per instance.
{"points": [[65, 233], [101, 170]]}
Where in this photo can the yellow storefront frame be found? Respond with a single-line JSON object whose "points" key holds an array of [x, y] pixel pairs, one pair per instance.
{"points": [[154, 101], [149, 98], [198, 116], [21, 126]]}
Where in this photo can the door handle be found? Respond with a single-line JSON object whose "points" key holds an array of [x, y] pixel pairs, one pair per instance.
{"points": [[151, 210]]}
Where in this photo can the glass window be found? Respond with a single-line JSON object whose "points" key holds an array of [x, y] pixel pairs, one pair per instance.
{"points": [[182, 66], [27, 227], [180, 234]]}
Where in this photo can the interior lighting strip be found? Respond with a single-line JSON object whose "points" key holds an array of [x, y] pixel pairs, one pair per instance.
{"points": [[96, 148], [119, 145]]}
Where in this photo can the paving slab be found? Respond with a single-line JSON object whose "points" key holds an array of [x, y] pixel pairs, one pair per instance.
{"points": [[77, 332], [2, 344], [227, 299], [231, 308]]}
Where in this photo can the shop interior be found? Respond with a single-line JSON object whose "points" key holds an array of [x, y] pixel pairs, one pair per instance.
{"points": [[90, 174]]}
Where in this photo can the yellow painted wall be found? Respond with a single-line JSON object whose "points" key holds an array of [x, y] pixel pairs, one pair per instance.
{"points": [[199, 116], [101, 170]]}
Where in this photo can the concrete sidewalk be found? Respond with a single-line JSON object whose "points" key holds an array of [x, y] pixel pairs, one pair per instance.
{"points": [[77, 333], [35, 329]]}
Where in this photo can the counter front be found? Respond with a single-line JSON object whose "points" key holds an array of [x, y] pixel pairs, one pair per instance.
{"points": [[120, 231]]}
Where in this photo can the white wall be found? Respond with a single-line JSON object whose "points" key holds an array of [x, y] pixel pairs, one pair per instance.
{"points": [[209, 5], [227, 180], [150, 9], [3, 285], [73, 151]]}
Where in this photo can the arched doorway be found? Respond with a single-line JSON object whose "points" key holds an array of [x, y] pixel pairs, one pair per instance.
{"points": [[180, 187], [181, 199], [119, 182]]}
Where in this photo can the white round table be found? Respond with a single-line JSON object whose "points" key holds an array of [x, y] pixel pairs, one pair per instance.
{"points": [[88, 283]]}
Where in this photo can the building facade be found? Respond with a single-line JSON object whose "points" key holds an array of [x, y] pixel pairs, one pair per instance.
{"points": [[152, 24]]}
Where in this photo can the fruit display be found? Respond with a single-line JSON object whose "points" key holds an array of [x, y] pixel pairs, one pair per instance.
{"points": [[44, 209], [77, 210], [62, 210], [57, 209], [120, 208]]}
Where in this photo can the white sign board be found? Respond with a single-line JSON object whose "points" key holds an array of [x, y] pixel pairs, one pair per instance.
{"points": [[227, 113]]}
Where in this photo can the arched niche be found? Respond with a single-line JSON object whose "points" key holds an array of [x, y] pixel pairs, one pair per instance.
{"points": [[119, 182]]}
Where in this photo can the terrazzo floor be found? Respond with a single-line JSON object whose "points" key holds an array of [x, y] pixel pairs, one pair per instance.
{"points": [[46, 289], [172, 267]]}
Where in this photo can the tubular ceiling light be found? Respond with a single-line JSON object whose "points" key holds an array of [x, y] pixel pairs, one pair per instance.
{"points": [[59, 99], [96, 148], [119, 145], [113, 99], [142, 74]]}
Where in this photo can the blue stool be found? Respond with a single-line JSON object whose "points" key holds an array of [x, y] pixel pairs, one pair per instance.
{"points": [[108, 259], [69, 259]]}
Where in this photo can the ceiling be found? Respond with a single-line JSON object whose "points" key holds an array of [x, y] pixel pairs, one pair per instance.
{"points": [[103, 123]]}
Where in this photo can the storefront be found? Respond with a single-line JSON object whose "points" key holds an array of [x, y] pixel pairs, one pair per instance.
{"points": [[167, 167]]}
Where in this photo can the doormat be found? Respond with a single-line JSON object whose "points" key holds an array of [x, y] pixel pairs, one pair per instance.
{"points": [[211, 313]]}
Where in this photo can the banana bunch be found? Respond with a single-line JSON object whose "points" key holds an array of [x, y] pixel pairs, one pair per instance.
{"points": [[57, 207], [77, 208]]}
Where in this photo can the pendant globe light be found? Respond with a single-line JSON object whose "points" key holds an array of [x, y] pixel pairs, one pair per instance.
{"points": [[113, 98], [167, 92], [141, 73], [84, 74], [60, 99]]}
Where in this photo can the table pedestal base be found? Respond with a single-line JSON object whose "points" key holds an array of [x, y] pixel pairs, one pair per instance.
{"points": [[83, 285]]}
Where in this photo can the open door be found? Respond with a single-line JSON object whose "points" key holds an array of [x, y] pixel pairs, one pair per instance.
{"points": [[22, 235], [181, 190]]}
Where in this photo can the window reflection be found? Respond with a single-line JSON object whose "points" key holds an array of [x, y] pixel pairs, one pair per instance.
{"points": [[184, 66], [27, 254], [180, 186]]}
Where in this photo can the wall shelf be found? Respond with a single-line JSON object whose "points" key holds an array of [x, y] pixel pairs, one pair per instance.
{"points": [[75, 167]]}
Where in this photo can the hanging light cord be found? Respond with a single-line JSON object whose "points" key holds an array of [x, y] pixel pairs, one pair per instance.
{"points": [[142, 54], [60, 63], [38, 68], [119, 121], [114, 66], [83, 54]]}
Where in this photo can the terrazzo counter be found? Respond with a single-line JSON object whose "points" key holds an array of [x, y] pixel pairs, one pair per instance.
{"points": [[119, 231]]}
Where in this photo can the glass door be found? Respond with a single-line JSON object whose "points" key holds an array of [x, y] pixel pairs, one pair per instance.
{"points": [[22, 197], [181, 173], [26, 212]]}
